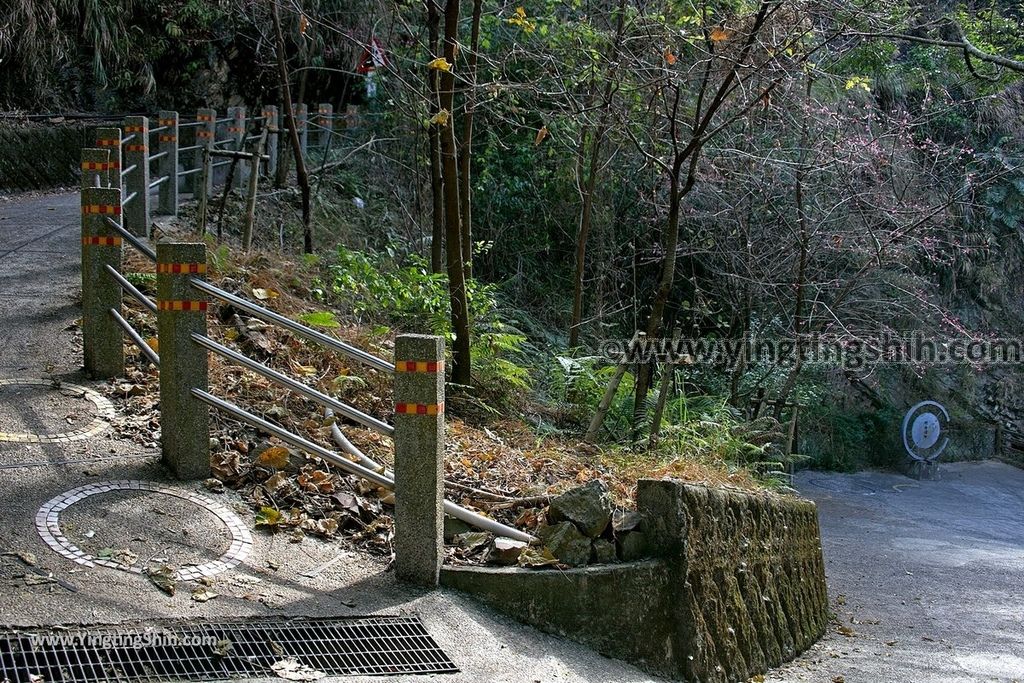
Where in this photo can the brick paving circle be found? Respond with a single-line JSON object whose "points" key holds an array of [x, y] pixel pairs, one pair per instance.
{"points": [[48, 526], [100, 421]]}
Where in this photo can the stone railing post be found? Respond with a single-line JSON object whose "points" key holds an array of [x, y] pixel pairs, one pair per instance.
{"points": [[419, 451], [205, 135], [325, 119], [110, 139], [136, 162], [95, 167], [301, 113], [236, 132], [270, 120], [168, 141], [181, 312], [101, 246]]}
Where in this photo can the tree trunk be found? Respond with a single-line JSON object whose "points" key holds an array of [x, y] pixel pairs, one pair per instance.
{"points": [[434, 142], [587, 190], [466, 149], [461, 362], [293, 133]]}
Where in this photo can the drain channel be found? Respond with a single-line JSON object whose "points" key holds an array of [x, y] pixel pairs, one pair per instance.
{"points": [[221, 650]]}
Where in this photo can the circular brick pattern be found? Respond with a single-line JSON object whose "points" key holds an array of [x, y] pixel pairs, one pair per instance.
{"points": [[48, 526], [100, 421]]}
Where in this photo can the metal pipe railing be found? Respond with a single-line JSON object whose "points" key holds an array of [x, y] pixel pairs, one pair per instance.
{"points": [[191, 124], [129, 170], [190, 171], [158, 155], [190, 148], [296, 386], [124, 202], [131, 289], [352, 467], [132, 239], [136, 337], [159, 181], [128, 138], [158, 129], [299, 329]]}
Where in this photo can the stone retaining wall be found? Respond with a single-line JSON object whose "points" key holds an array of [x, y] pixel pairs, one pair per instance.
{"points": [[736, 585], [40, 157]]}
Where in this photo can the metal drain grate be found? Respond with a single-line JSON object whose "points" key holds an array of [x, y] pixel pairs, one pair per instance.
{"points": [[221, 650]]}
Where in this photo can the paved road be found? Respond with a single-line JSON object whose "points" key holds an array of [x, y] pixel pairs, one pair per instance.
{"points": [[39, 283], [927, 578]]}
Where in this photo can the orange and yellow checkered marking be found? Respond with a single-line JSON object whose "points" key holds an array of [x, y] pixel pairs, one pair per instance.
{"points": [[97, 241], [419, 408], [107, 209], [419, 366], [97, 166], [181, 305], [181, 268], [204, 134], [269, 114], [235, 129], [167, 122], [109, 142], [204, 117], [136, 148], [134, 129], [168, 138]]}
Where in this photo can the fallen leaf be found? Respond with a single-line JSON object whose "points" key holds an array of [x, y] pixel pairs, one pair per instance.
{"points": [[276, 457], [268, 516], [264, 293], [718, 34], [163, 577], [536, 557], [203, 595], [294, 670], [439, 64]]}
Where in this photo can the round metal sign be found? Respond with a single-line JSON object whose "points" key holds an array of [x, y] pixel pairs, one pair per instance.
{"points": [[924, 431]]}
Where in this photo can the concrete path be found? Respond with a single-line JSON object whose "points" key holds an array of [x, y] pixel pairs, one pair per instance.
{"points": [[927, 578], [39, 285]]}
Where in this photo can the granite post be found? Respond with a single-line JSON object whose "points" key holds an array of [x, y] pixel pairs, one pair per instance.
{"points": [[184, 365], [95, 167], [136, 161], [419, 451], [236, 133], [271, 122], [110, 139], [205, 135], [101, 246], [325, 119], [168, 165]]}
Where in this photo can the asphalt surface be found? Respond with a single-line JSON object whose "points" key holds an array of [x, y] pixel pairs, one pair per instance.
{"points": [[39, 289], [926, 578]]}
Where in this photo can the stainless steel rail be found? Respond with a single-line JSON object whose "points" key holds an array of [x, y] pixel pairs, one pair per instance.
{"points": [[128, 138], [129, 170], [136, 338], [299, 329], [293, 439], [158, 155], [296, 386], [124, 202], [131, 289], [157, 130], [159, 181], [188, 149], [132, 239], [190, 171], [352, 467]]}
